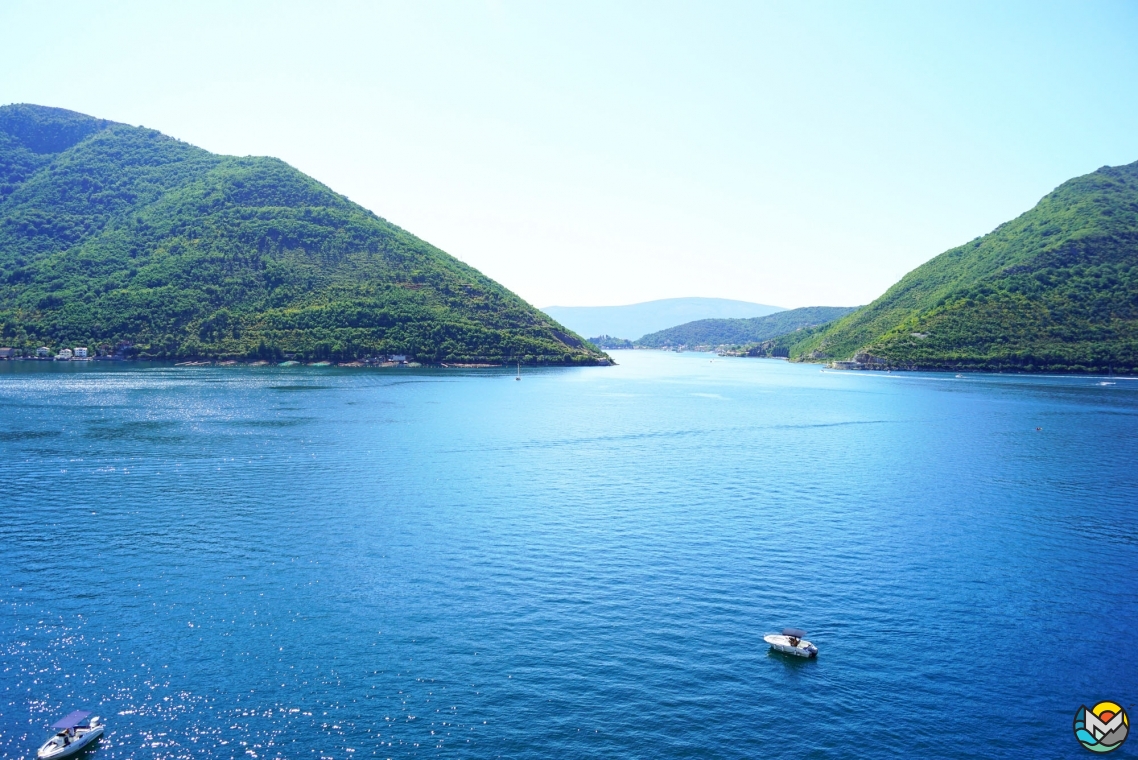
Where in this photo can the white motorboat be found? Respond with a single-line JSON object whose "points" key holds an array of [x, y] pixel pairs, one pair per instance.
{"points": [[791, 641], [74, 733]]}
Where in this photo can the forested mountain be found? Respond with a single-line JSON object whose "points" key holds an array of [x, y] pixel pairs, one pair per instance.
{"points": [[1055, 289], [113, 233], [736, 332]]}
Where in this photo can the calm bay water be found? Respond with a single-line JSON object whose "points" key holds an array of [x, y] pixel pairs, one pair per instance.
{"points": [[326, 563]]}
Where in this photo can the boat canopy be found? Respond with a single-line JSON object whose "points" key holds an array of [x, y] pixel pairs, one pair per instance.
{"points": [[797, 633], [72, 720]]}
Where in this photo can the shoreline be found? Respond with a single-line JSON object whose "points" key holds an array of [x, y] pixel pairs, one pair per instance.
{"points": [[882, 368], [355, 364]]}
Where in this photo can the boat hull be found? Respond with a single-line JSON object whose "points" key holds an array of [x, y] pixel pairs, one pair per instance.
{"points": [[782, 644], [51, 750]]}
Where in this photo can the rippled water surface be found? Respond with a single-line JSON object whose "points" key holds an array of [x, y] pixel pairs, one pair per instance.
{"points": [[332, 563]]}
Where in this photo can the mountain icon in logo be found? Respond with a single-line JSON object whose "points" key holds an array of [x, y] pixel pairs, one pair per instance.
{"points": [[1102, 728]]}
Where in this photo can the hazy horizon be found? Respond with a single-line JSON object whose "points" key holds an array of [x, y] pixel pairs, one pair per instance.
{"points": [[654, 300]]}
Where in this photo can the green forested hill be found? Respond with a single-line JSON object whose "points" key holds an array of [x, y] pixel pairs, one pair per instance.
{"points": [[718, 332], [1054, 290], [113, 233]]}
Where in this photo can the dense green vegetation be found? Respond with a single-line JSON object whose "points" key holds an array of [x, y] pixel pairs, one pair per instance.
{"points": [[1054, 290], [111, 233], [606, 342], [737, 332]]}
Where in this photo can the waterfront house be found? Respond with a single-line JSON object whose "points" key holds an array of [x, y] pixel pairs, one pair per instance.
{"points": [[43, 352], [7, 353], [64, 355], [80, 352], [398, 358]]}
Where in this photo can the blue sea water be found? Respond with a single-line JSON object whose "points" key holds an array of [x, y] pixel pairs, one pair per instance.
{"points": [[331, 563]]}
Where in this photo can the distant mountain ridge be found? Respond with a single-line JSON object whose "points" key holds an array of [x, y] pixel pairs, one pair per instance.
{"points": [[634, 320], [113, 234], [1055, 289], [739, 332]]}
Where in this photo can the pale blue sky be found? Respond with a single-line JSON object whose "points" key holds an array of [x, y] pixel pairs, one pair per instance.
{"points": [[602, 153]]}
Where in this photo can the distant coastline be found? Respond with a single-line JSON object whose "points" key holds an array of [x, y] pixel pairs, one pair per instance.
{"points": [[355, 364]]}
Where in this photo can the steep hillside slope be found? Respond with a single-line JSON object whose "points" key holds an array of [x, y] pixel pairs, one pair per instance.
{"points": [[1055, 289], [112, 233], [736, 332]]}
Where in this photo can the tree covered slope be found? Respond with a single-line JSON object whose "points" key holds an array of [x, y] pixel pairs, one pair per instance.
{"points": [[1054, 290], [736, 332], [113, 233]]}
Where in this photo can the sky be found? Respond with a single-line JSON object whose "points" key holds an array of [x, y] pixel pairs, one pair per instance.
{"points": [[597, 153]]}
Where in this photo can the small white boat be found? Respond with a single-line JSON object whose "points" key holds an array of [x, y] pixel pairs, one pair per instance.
{"points": [[74, 733], [791, 641]]}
